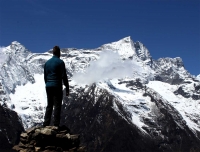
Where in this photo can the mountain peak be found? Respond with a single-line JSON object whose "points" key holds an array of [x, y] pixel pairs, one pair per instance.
{"points": [[127, 39], [124, 47], [15, 43], [15, 47]]}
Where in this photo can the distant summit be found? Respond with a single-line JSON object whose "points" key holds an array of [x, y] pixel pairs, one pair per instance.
{"points": [[15, 47]]}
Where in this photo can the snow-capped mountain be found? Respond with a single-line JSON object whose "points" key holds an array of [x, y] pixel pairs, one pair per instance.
{"points": [[198, 77], [121, 99]]}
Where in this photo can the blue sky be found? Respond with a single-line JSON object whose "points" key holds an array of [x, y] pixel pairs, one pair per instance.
{"points": [[168, 28]]}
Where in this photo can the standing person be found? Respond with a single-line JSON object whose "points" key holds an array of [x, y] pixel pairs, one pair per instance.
{"points": [[54, 75]]}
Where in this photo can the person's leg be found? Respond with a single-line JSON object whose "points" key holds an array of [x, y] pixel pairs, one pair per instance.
{"points": [[57, 106], [49, 108]]}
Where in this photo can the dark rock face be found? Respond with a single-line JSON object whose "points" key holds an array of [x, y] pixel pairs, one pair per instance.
{"points": [[174, 133], [143, 53], [48, 139], [10, 128], [194, 92], [90, 112], [168, 70], [101, 128], [182, 92]]}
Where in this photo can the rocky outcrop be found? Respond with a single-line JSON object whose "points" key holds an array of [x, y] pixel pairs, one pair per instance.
{"points": [[193, 93], [48, 139], [10, 128]]}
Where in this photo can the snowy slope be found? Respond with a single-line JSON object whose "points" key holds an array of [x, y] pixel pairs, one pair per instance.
{"points": [[188, 108], [30, 101]]}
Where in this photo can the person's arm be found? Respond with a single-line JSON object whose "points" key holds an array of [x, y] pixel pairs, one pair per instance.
{"points": [[65, 79], [45, 79]]}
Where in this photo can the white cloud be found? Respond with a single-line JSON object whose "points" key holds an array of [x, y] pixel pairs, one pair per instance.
{"points": [[108, 66]]}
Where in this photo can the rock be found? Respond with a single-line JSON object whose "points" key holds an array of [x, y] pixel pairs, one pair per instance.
{"points": [[74, 137], [47, 131], [48, 139], [81, 149], [17, 148], [37, 149], [38, 131], [60, 136], [72, 150], [21, 145], [50, 148], [10, 128], [24, 150], [52, 127], [24, 135], [68, 136], [31, 130]]}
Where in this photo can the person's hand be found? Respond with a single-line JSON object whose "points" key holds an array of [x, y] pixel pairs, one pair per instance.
{"points": [[67, 93]]}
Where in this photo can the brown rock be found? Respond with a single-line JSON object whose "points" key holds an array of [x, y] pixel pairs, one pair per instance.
{"points": [[64, 132], [68, 136], [74, 137], [34, 135], [48, 139], [32, 142], [24, 141], [24, 135], [38, 131], [52, 127], [72, 149], [60, 136], [22, 145], [81, 149], [38, 149], [24, 150], [30, 130], [50, 148], [46, 131], [17, 148], [30, 146]]}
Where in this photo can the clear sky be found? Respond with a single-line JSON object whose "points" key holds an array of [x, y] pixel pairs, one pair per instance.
{"points": [[168, 28]]}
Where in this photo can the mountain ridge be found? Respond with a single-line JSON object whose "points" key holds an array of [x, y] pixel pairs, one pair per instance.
{"points": [[154, 96]]}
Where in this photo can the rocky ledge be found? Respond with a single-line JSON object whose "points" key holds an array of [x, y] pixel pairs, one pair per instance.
{"points": [[49, 139]]}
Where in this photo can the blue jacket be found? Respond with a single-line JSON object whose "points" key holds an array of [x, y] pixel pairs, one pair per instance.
{"points": [[55, 73]]}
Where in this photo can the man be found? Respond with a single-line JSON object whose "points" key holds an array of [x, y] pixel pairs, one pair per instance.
{"points": [[54, 75]]}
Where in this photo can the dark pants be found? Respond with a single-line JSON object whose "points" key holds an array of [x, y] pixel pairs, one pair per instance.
{"points": [[54, 99]]}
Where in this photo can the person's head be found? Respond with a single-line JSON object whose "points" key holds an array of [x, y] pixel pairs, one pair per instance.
{"points": [[56, 51]]}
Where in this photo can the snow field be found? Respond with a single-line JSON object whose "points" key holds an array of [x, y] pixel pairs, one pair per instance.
{"points": [[188, 108], [29, 101]]}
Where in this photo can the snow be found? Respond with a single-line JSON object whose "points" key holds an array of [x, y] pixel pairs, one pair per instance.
{"points": [[188, 108], [133, 102], [198, 77], [124, 47], [30, 101]]}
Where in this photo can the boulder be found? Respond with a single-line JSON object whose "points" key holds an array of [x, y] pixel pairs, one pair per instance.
{"points": [[49, 139]]}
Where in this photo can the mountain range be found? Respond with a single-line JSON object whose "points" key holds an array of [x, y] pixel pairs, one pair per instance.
{"points": [[121, 99]]}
